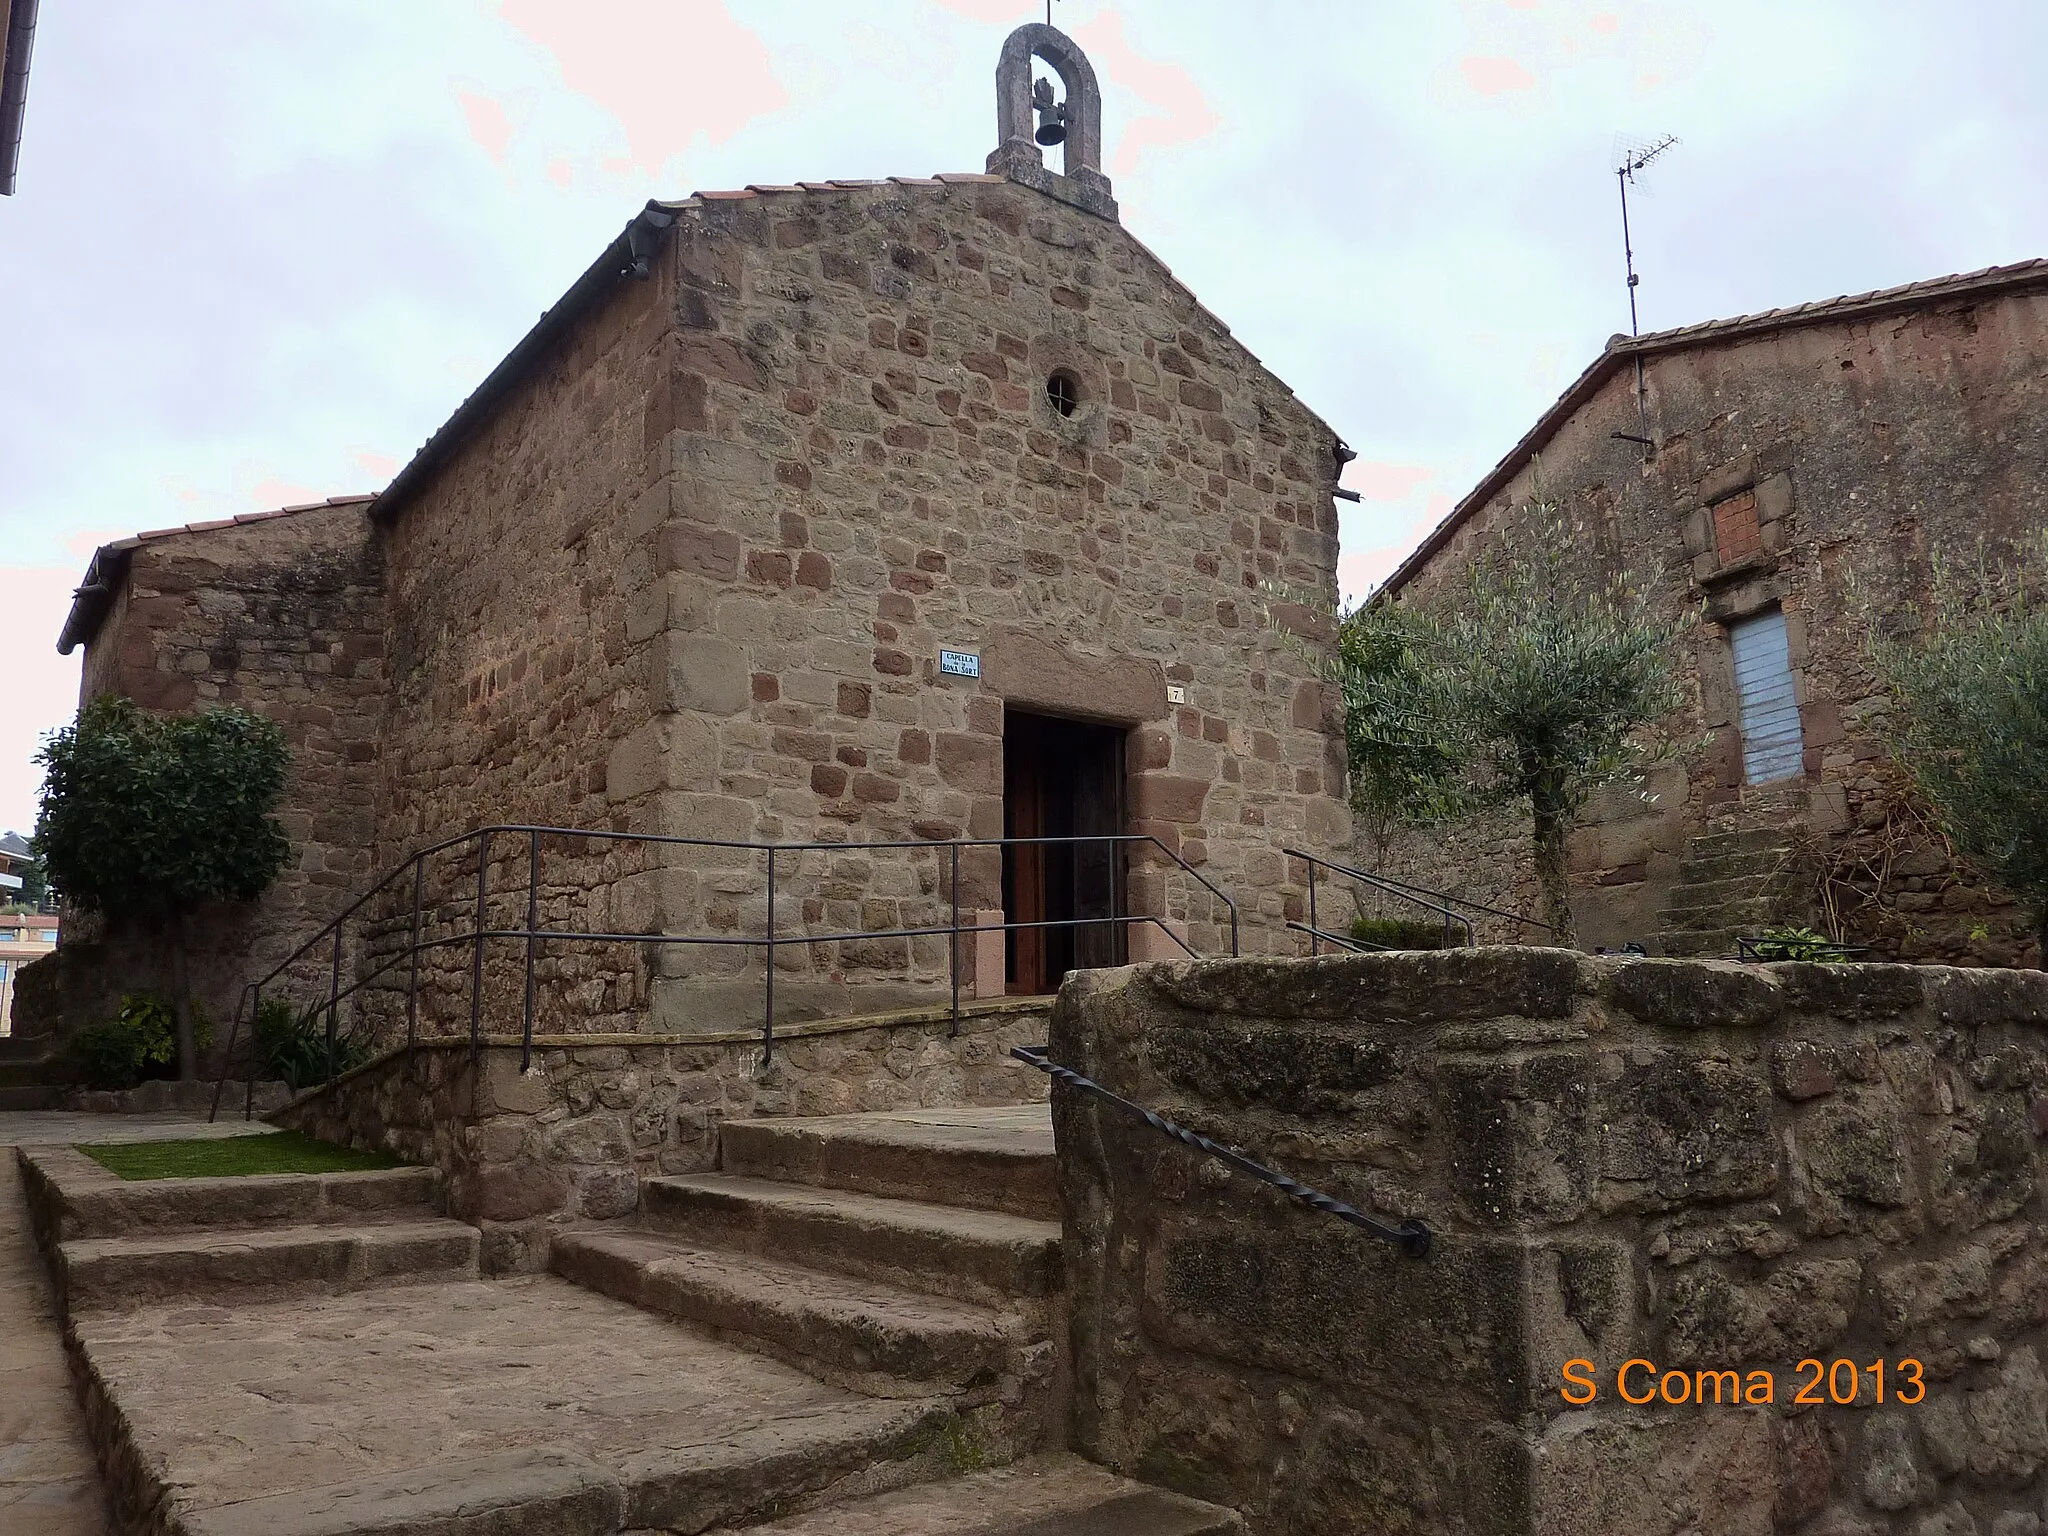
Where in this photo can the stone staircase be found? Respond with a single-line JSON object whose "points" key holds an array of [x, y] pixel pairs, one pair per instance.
{"points": [[1732, 882], [899, 1255], [850, 1328], [115, 1245], [26, 1073]]}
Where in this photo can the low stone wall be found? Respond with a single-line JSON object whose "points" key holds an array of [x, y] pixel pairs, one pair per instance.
{"points": [[1700, 1167], [570, 1138]]}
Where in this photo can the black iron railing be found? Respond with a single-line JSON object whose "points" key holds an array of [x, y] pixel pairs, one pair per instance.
{"points": [[1456, 911], [532, 936], [1412, 1237]]}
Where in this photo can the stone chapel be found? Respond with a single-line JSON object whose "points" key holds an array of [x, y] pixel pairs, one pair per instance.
{"points": [[925, 512]]}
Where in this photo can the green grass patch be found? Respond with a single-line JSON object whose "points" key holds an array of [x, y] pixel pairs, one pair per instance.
{"points": [[233, 1157]]}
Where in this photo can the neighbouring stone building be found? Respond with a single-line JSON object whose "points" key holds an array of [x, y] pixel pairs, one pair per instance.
{"points": [[1804, 472], [706, 557]]}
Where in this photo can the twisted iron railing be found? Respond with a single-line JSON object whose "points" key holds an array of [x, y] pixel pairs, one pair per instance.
{"points": [[1412, 1237]]}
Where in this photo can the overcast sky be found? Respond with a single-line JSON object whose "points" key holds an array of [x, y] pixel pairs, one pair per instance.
{"points": [[260, 250]]}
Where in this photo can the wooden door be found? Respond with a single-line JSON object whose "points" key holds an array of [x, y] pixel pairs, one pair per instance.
{"points": [[1061, 779]]}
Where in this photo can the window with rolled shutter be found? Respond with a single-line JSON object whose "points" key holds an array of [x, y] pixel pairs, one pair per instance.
{"points": [[1771, 744]]}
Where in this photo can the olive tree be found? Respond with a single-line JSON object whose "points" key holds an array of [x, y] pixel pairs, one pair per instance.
{"points": [[1969, 722], [1545, 683], [144, 815]]}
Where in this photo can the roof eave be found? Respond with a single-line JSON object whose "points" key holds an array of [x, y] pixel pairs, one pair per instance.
{"points": [[629, 255], [1992, 281], [15, 48]]}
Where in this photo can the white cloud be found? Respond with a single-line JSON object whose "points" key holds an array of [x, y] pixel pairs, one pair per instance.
{"points": [[260, 245]]}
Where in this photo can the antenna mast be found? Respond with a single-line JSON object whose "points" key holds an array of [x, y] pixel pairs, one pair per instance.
{"points": [[1633, 158]]}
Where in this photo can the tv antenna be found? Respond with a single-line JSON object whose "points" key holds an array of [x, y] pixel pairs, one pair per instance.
{"points": [[1633, 155]]}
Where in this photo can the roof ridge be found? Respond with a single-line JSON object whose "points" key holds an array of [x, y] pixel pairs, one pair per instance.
{"points": [[1621, 349]]}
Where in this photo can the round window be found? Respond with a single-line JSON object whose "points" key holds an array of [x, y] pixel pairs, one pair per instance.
{"points": [[1064, 391]]}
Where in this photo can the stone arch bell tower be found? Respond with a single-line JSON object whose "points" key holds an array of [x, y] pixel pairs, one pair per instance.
{"points": [[1017, 155]]}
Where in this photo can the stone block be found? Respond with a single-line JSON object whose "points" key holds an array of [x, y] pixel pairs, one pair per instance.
{"points": [[971, 763], [508, 1192], [1028, 672], [705, 672], [1693, 994], [508, 1091], [1145, 941], [990, 946], [1680, 1128]]}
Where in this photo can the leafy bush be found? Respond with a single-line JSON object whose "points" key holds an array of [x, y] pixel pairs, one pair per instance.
{"points": [[139, 1043], [1795, 944], [1970, 721], [144, 815], [1404, 933], [291, 1045]]}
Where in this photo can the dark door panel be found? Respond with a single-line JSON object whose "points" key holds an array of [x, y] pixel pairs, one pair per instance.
{"points": [[1062, 778]]}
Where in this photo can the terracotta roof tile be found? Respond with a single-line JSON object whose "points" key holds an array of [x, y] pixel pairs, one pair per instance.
{"points": [[726, 197]]}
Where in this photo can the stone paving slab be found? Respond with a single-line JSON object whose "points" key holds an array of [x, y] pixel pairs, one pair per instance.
{"points": [[46, 1127], [329, 1410], [49, 1484], [1055, 1495]]}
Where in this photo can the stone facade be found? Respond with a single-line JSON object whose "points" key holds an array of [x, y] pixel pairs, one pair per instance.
{"points": [[1703, 1167], [569, 1140], [1846, 448], [685, 564], [282, 614]]}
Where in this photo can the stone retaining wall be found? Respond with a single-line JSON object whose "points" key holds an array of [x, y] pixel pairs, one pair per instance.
{"points": [[1701, 1166], [570, 1139]]}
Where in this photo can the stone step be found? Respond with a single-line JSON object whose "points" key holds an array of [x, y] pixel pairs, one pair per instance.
{"points": [[732, 1481], [1696, 867], [1044, 1496], [1748, 913], [74, 1197], [1740, 840], [1690, 894], [982, 1159], [24, 1072], [315, 1259], [874, 1337], [987, 1257], [25, 1097]]}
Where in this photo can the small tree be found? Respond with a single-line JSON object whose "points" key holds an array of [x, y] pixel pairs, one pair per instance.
{"points": [[1970, 724], [143, 815], [1545, 683]]}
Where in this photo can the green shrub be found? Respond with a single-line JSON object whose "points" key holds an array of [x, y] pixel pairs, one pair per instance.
{"points": [[1794, 944], [291, 1045], [139, 1043], [1405, 933]]}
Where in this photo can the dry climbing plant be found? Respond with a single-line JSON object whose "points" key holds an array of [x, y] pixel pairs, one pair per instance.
{"points": [[1852, 873]]}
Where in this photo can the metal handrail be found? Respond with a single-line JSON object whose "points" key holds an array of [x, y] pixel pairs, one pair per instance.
{"points": [[1412, 1236], [1401, 890], [478, 935], [1324, 936]]}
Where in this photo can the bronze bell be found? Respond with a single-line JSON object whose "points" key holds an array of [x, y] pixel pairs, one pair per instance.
{"points": [[1052, 117]]}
